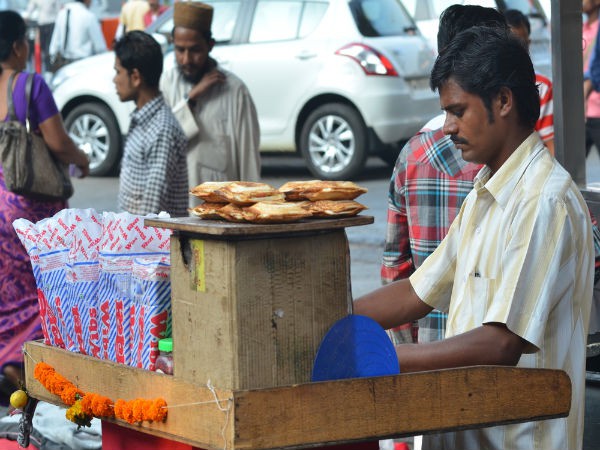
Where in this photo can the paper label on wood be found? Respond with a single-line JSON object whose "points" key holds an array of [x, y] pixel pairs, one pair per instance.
{"points": [[199, 277]]}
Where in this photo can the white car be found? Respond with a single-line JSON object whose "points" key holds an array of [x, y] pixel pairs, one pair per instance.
{"points": [[426, 14], [334, 80]]}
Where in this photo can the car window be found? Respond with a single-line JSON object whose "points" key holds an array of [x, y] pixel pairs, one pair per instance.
{"points": [[419, 10], [223, 24], [311, 17], [381, 18], [275, 21], [280, 20]]}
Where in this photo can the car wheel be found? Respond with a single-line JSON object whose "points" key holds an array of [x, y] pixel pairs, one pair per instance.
{"points": [[334, 142], [94, 129]]}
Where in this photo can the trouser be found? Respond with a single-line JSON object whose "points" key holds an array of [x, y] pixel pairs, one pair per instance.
{"points": [[592, 134], [45, 36]]}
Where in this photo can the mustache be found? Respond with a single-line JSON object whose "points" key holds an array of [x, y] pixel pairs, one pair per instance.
{"points": [[457, 140]]}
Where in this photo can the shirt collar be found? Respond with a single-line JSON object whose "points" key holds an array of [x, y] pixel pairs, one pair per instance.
{"points": [[147, 111], [502, 184]]}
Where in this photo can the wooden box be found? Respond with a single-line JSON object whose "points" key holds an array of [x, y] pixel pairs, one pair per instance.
{"points": [[251, 303]]}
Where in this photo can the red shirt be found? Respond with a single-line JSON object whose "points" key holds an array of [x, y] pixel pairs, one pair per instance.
{"points": [[150, 16]]}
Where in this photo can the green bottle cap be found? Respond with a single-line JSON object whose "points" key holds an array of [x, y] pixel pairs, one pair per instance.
{"points": [[165, 345]]}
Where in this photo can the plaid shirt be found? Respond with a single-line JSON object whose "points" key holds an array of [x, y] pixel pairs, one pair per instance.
{"points": [[154, 168], [428, 186]]}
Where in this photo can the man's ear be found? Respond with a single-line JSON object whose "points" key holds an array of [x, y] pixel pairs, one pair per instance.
{"points": [[136, 78], [505, 101]]}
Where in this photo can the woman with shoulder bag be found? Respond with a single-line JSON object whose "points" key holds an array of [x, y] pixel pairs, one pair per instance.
{"points": [[19, 312]]}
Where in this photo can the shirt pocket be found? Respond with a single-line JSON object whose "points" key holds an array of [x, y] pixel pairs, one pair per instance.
{"points": [[215, 152]]}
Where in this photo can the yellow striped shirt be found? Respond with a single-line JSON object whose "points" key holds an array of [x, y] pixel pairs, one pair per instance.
{"points": [[520, 252]]}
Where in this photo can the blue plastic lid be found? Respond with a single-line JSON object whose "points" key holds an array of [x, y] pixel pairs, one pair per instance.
{"points": [[354, 347]]}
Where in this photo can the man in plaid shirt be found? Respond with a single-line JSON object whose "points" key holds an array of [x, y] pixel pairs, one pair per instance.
{"points": [[428, 186], [154, 166]]}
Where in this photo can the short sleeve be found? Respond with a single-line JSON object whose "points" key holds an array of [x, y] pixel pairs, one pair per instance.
{"points": [[42, 105]]}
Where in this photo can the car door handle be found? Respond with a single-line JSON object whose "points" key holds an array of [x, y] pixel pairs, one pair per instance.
{"points": [[306, 54]]}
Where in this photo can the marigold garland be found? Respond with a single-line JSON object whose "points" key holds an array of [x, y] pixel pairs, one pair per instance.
{"points": [[85, 405], [57, 384]]}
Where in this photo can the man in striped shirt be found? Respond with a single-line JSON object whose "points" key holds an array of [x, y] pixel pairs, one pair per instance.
{"points": [[515, 271], [431, 180]]}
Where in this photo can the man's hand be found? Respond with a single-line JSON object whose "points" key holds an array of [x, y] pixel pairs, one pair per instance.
{"points": [[208, 80]]}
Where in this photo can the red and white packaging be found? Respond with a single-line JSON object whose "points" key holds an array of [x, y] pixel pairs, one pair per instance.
{"points": [[124, 238]]}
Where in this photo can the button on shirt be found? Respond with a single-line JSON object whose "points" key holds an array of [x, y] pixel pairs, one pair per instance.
{"points": [[531, 267], [154, 169]]}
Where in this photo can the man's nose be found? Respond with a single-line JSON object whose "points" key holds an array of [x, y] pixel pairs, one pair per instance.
{"points": [[185, 57], [449, 126]]}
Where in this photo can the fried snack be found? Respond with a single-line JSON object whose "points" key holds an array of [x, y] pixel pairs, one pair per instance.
{"points": [[245, 193], [335, 208], [231, 213], [207, 210], [321, 190], [205, 191], [275, 212], [293, 189]]}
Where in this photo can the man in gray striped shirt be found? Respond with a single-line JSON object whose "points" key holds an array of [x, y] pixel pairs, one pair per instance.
{"points": [[153, 169]]}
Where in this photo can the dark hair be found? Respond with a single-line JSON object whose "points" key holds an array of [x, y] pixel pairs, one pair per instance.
{"points": [[139, 50], [482, 60], [457, 18], [516, 19], [12, 29]]}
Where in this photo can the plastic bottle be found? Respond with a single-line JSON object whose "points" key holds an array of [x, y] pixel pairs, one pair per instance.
{"points": [[164, 362]]}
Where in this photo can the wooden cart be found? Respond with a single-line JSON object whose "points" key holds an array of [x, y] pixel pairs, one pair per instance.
{"points": [[251, 304]]}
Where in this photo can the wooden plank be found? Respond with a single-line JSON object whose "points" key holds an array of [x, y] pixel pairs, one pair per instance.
{"points": [[193, 416], [310, 414], [366, 408], [222, 228]]}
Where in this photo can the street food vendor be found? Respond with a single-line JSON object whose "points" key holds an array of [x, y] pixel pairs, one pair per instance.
{"points": [[515, 272]]}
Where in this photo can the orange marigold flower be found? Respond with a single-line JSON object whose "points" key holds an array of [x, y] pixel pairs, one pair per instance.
{"points": [[97, 405]]}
